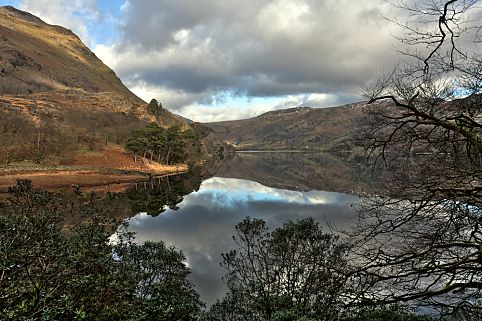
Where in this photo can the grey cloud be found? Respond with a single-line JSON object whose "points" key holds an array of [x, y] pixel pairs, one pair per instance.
{"points": [[255, 48], [153, 23], [188, 52], [187, 78]]}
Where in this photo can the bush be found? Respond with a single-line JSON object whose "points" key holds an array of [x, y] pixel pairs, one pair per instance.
{"points": [[51, 273]]}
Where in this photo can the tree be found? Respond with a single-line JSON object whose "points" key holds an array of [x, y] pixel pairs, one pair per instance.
{"points": [[43, 142], [420, 240], [392, 313], [154, 108], [159, 275], [293, 270]]}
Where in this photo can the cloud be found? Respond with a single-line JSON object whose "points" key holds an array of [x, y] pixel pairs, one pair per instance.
{"points": [[187, 52], [191, 55], [248, 108]]}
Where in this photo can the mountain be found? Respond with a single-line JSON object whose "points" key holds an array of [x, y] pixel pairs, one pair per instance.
{"points": [[300, 128], [38, 57], [58, 99]]}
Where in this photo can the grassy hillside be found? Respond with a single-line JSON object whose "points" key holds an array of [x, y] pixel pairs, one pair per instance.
{"points": [[299, 128], [58, 99], [37, 57]]}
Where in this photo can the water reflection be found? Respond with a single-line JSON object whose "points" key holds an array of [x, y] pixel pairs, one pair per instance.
{"points": [[301, 171], [203, 225], [158, 194]]}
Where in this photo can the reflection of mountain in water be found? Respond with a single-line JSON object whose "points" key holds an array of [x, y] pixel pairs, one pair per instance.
{"points": [[290, 171], [298, 171]]}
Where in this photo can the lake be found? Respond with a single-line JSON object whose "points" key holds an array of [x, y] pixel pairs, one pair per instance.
{"points": [[275, 187]]}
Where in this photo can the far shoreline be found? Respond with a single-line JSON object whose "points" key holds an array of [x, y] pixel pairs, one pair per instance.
{"points": [[289, 151]]}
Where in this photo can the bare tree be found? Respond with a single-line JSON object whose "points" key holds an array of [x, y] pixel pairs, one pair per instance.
{"points": [[420, 240]]}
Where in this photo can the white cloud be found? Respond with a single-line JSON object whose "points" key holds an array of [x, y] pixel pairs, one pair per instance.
{"points": [[247, 190], [243, 109], [204, 113], [290, 16]]}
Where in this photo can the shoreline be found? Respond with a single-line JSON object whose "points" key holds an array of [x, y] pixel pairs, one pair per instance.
{"points": [[54, 177], [253, 151]]}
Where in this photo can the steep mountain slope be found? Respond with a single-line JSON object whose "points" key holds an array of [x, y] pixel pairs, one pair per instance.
{"points": [[299, 128], [57, 97], [38, 57]]}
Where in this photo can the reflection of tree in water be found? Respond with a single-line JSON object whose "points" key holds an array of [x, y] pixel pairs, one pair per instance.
{"points": [[158, 194]]}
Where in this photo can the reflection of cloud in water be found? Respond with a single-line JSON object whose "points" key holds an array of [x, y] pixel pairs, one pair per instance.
{"points": [[228, 190], [203, 226]]}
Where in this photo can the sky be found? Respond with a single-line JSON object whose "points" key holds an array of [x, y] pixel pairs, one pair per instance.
{"points": [[211, 60]]}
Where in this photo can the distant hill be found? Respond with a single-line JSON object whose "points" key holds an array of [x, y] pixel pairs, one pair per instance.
{"points": [[57, 97], [300, 128]]}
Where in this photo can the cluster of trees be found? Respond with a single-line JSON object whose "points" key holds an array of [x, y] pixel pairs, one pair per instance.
{"points": [[166, 146], [94, 130], [12, 131], [22, 140], [290, 270], [49, 271]]}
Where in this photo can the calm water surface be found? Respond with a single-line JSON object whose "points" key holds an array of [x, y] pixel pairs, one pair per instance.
{"points": [[203, 225]]}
